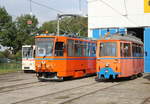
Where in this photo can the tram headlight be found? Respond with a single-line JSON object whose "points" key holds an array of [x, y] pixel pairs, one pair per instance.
{"points": [[107, 65], [38, 66]]}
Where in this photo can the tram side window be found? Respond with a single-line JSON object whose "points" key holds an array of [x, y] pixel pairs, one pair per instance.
{"points": [[138, 51], [142, 51], [89, 48], [125, 49], [134, 50], [121, 49], [86, 49], [70, 48], [93, 50], [77, 48], [59, 49], [80, 49], [83, 48]]}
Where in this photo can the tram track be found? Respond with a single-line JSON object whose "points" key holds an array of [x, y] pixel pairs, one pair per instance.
{"points": [[54, 93], [20, 86], [68, 95], [146, 101], [88, 93]]}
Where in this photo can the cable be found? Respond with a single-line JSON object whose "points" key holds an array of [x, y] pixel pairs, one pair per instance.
{"points": [[42, 5], [104, 2]]}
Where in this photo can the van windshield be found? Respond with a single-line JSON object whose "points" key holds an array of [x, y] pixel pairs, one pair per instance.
{"points": [[44, 46], [27, 52], [108, 49]]}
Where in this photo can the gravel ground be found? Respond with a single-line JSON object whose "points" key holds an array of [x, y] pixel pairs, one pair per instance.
{"points": [[24, 88]]}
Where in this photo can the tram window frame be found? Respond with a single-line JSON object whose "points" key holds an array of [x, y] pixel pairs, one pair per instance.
{"points": [[93, 49], [137, 50], [133, 50], [70, 47], [142, 51], [46, 45], [59, 50], [79, 48], [105, 48], [125, 51]]}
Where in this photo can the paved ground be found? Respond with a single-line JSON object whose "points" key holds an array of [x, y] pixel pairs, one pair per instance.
{"points": [[24, 88]]}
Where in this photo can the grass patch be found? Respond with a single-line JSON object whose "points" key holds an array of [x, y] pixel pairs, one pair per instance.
{"points": [[9, 67], [4, 71]]}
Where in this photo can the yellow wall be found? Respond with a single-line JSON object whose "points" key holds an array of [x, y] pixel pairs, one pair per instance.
{"points": [[146, 6]]}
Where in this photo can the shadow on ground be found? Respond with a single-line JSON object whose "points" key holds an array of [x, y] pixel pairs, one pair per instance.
{"points": [[147, 77]]}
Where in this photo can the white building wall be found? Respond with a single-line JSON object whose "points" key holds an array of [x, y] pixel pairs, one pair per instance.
{"points": [[116, 13]]}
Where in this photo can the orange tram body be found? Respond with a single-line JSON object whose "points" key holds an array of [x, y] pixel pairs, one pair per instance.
{"points": [[119, 56], [60, 57]]}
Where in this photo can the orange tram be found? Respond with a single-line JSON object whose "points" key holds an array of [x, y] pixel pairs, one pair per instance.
{"points": [[61, 57], [119, 56]]}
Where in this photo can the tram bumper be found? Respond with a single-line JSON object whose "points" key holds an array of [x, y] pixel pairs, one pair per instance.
{"points": [[45, 76], [107, 73]]}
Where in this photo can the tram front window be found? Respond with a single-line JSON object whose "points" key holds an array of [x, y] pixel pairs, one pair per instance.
{"points": [[27, 52], [44, 46], [108, 49]]}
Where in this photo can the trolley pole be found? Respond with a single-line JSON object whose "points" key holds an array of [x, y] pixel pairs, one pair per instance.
{"points": [[58, 24]]}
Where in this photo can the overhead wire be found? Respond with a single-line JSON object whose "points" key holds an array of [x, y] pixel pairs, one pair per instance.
{"points": [[104, 2], [43, 5]]}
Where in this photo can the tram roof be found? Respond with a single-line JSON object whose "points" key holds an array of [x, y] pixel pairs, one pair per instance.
{"points": [[123, 37], [66, 36]]}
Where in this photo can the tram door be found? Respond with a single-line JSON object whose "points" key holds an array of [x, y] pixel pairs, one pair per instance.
{"points": [[147, 50]]}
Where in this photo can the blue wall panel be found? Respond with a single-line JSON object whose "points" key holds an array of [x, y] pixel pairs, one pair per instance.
{"points": [[96, 33], [147, 50], [122, 30], [103, 32], [113, 31]]}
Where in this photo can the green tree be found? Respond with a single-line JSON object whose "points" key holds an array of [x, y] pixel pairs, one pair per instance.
{"points": [[17, 33], [67, 25], [7, 29], [49, 26], [74, 25], [25, 31], [5, 18]]}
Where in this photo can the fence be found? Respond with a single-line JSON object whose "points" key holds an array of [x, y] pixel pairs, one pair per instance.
{"points": [[10, 64]]}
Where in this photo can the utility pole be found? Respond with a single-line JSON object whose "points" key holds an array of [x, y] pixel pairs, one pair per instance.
{"points": [[58, 24], [30, 7]]}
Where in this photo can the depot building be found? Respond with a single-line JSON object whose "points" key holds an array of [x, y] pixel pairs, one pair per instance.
{"points": [[121, 16]]}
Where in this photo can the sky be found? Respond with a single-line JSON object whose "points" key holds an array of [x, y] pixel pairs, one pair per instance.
{"points": [[43, 13]]}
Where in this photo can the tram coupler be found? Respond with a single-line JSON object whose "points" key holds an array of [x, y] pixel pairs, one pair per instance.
{"points": [[107, 73]]}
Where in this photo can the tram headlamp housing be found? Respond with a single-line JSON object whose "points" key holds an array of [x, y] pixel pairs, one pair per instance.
{"points": [[106, 65]]}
